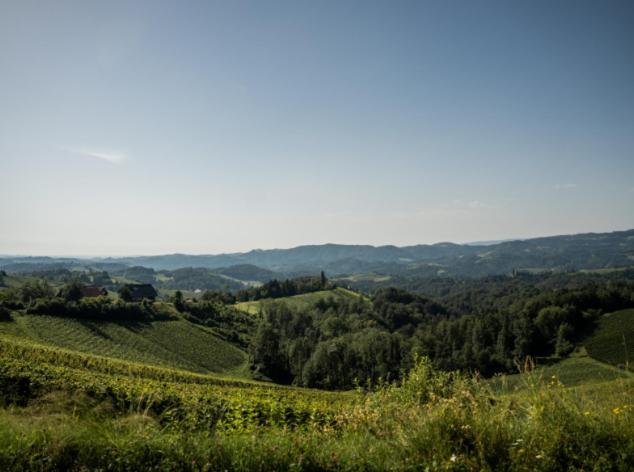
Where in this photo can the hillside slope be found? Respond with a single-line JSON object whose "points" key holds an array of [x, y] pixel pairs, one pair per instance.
{"points": [[174, 343], [605, 356], [613, 340]]}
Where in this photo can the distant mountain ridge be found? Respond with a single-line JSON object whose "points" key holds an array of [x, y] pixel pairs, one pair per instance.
{"points": [[568, 252]]}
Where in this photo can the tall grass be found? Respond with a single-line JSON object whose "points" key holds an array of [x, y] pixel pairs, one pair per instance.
{"points": [[430, 420]]}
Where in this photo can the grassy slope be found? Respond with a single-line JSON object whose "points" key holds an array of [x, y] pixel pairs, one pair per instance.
{"points": [[571, 372], [613, 340], [93, 415], [182, 397], [302, 301], [172, 343], [602, 358]]}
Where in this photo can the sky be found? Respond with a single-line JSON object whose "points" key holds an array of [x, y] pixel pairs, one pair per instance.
{"points": [[152, 127]]}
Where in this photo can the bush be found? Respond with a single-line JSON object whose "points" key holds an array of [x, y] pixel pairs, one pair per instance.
{"points": [[5, 314]]}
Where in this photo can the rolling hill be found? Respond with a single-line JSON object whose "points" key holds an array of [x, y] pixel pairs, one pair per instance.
{"points": [[588, 251], [174, 343], [302, 301]]}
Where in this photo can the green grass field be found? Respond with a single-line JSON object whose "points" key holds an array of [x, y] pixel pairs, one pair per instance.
{"points": [[613, 340], [305, 300]]}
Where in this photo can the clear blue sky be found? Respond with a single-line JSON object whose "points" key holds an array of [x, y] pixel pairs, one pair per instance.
{"points": [[204, 127]]}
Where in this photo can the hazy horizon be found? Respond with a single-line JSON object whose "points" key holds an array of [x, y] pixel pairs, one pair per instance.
{"points": [[152, 128], [465, 243]]}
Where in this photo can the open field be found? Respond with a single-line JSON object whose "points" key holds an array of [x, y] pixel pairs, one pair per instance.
{"points": [[302, 301]]}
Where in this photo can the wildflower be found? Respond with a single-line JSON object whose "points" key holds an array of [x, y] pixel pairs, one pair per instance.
{"points": [[616, 411], [453, 458]]}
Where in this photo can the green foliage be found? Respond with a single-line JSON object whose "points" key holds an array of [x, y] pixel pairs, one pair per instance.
{"points": [[226, 298], [563, 346], [32, 290], [228, 322], [338, 342], [5, 314], [284, 288], [333, 344], [613, 340], [125, 293], [96, 308], [178, 301], [71, 292]]}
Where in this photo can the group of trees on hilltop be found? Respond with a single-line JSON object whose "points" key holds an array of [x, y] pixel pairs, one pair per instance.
{"points": [[285, 288], [337, 343]]}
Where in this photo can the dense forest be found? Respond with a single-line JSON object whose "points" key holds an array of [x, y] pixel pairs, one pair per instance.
{"points": [[338, 344]]}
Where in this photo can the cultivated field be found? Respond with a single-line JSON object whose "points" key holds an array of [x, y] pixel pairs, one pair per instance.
{"points": [[172, 342]]}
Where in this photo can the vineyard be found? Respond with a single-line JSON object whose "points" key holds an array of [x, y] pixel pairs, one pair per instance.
{"points": [[172, 342], [177, 398]]}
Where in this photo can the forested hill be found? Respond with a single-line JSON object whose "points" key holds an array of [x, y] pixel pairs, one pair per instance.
{"points": [[573, 252]]}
